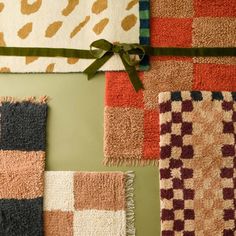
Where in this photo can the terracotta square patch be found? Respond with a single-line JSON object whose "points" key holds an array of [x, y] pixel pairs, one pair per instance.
{"points": [[166, 76], [58, 223], [103, 191], [123, 132], [19, 181], [214, 32], [174, 9]]}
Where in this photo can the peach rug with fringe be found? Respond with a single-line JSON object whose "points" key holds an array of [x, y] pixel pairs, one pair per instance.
{"points": [[89, 203]]}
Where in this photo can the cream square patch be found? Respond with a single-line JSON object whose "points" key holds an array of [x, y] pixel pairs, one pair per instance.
{"points": [[99, 223], [58, 193]]}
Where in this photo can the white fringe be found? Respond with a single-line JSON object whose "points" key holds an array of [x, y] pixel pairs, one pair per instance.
{"points": [[130, 215], [40, 100]]}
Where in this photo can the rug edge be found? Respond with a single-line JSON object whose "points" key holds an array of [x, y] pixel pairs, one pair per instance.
{"points": [[35, 100], [130, 205], [129, 162]]}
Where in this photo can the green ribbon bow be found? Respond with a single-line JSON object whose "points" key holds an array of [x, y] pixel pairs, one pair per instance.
{"points": [[130, 54]]}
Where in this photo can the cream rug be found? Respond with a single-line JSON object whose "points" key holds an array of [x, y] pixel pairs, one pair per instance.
{"points": [[66, 24]]}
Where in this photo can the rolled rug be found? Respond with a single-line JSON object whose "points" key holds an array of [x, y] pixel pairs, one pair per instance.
{"points": [[197, 163], [22, 161]]}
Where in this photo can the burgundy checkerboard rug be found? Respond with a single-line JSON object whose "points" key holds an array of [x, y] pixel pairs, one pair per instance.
{"points": [[197, 163]]}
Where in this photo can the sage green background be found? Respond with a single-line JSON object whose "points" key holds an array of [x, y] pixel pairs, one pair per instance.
{"points": [[75, 134]]}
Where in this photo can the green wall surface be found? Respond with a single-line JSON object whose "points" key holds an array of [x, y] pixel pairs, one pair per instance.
{"points": [[75, 134]]}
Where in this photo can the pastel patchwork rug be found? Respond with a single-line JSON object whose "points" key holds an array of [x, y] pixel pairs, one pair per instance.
{"points": [[22, 160], [131, 126], [69, 24], [89, 204], [198, 165]]}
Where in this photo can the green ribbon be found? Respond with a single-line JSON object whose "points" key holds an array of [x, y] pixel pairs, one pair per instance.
{"points": [[104, 50], [190, 52], [45, 52], [130, 54]]}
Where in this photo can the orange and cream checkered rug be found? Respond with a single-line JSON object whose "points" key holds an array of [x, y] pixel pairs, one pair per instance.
{"points": [[131, 119]]}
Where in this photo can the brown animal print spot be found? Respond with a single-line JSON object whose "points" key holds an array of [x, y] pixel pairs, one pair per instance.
{"points": [[25, 30], [72, 60], [50, 68], [53, 28], [70, 7], [5, 70], [28, 9], [29, 60], [1, 6], [131, 4], [99, 6], [100, 26], [129, 22], [77, 29], [2, 42]]}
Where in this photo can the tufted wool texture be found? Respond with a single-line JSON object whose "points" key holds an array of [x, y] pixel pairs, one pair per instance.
{"points": [[69, 24], [131, 134], [22, 161], [88, 204], [197, 163]]}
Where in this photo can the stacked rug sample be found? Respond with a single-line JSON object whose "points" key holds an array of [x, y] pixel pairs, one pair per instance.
{"points": [[190, 131], [69, 24], [22, 161], [89, 203], [197, 163], [131, 126]]}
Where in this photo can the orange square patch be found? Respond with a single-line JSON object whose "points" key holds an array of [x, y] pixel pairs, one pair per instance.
{"points": [[214, 77], [171, 32], [120, 92]]}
